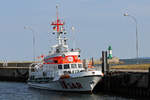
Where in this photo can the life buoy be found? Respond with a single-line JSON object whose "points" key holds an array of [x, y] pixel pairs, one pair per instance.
{"points": [[64, 76]]}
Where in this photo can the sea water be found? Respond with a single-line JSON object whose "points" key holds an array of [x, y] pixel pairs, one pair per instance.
{"points": [[21, 91]]}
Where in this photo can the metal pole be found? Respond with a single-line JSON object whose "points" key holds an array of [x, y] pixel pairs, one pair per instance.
{"points": [[33, 45], [73, 37], [33, 33], [137, 48]]}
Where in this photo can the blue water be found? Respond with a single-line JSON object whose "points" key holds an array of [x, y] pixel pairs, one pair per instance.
{"points": [[20, 91]]}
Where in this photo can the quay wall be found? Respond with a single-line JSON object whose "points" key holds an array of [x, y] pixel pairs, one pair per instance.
{"points": [[133, 84], [14, 71]]}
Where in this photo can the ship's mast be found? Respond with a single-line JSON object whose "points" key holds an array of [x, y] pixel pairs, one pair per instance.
{"points": [[58, 27]]}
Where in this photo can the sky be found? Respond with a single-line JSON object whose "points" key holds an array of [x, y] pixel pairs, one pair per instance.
{"points": [[98, 24]]}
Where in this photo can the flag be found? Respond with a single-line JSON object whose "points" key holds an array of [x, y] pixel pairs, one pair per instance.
{"points": [[62, 29], [42, 56], [54, 28]]}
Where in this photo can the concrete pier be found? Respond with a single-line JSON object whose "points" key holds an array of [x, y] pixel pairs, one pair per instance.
{"points": [[126, 83], [129, 82], [14, 71]]}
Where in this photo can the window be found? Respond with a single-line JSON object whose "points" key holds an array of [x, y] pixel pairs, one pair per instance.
{"points": [[57, 50], [73, 66], [59, 66], [31, 77], [66, 66], [73, 72], [69, 72], [79, 65], [55, 61]]}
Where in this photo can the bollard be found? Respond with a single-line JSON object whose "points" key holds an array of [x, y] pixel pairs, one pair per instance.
{"points": [[103, 62], [149, 78], [149, 82], [105, 66], [84, 63], [92, 61]]}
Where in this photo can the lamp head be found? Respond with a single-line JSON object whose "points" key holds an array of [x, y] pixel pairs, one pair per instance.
{"points": [[126, 14], [25, 27]]}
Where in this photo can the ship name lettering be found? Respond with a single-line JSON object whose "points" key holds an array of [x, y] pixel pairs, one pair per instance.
{"points": [[76, 85]]}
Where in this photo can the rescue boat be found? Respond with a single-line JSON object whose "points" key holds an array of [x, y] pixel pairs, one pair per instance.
{"points": [[62, 68]]}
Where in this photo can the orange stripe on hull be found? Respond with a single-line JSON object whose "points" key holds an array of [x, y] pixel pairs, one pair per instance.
{"points": [[62, 60]]}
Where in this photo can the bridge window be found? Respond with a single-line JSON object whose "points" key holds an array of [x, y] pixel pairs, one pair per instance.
{"points": [[32, 70], [57, 51], [67, 72], [73, 66], [55, 61], [59, 66], [79, 65], [66, 66]]}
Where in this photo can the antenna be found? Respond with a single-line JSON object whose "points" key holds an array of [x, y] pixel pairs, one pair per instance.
{"points": [[73, 29], [58, 27], [57, 11], [58, 23]]}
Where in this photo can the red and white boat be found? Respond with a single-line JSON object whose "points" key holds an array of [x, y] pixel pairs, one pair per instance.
{"points": [[62, 69]]}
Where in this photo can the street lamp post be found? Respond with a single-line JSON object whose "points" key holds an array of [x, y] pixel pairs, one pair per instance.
{"points": [[33, 33], [137, 48]]}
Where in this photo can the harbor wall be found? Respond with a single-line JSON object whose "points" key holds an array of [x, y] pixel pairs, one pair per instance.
{"points": [[129, 82], [14, 71], [126, 83]]}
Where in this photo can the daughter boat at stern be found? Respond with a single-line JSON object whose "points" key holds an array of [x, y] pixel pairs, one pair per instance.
{"points": [[62, 69]]}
